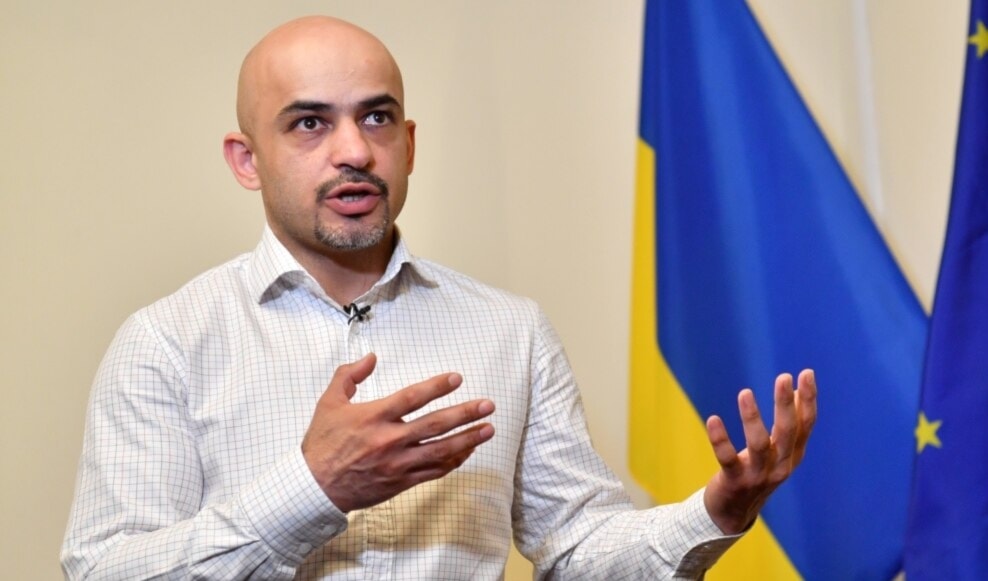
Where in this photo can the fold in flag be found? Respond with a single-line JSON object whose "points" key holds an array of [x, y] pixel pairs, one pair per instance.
{"points": [[754, 255], [948, 512]]}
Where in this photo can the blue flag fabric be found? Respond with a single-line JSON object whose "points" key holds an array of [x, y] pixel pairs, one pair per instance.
{"points": [[767, 261], [948, 519]]}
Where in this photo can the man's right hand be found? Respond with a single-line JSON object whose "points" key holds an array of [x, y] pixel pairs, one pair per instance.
{"points": [[365, 453]]}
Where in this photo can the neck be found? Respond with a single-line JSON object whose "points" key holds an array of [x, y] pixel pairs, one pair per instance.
{"points": [[348, 277], [344, 275]]}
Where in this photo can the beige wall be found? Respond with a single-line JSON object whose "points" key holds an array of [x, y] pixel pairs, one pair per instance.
{"points": [[113, 191]]}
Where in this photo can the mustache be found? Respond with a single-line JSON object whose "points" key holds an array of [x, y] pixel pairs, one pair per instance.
{"points": [[351, 176]]}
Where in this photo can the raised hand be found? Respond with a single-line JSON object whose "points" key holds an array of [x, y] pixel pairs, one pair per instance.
{"points": [[363, 454], [736, 494]]}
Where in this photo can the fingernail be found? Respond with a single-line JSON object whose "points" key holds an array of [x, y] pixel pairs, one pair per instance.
{"points": [[485, 407], [487, 431], [455, 379]]}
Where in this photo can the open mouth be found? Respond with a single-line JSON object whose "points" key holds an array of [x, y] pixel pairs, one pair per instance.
{"points": [[353, 199]]}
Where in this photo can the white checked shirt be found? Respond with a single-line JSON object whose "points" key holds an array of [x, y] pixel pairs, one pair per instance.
{"points": [[192, 468]]}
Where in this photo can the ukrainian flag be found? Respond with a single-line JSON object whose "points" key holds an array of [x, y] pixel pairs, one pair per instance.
{"points": [[754, 255], [948, 521]]}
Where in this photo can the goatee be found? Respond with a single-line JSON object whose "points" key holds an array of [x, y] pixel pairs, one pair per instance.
{"points": [[354, 236]]}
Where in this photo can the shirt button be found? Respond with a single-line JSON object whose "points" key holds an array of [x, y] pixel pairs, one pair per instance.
{"points": [[304, 548], [327, 529]]}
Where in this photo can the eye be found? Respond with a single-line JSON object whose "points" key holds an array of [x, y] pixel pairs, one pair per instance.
{"points": [[309, 123], [378, 118]]}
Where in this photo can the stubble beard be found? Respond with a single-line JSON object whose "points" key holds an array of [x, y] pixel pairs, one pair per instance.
{"points": [[352, 235]]}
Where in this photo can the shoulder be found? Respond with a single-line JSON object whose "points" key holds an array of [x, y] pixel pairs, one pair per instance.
{"points": [[202, 297], [460, 300], [466, 291]]}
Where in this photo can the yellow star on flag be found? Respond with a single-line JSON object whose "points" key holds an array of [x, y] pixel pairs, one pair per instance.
{"points": [[980, 39], [926, 433]]}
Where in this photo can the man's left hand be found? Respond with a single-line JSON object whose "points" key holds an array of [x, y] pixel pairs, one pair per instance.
{"points": [[736, 494]]}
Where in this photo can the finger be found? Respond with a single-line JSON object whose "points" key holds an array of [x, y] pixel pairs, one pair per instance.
{"points": [[806, 409], [442, 421], [416, 396], [784, 423], [347, 376], [724, 450], [434, 472], [447, 453], [755, 435], [806, 398]]}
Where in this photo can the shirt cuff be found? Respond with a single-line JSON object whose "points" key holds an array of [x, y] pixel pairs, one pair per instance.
{"points": [[288, 510], [707, 542]]}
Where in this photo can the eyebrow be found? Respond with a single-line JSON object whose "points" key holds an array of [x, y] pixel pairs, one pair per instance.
{"points": [[303, 106]]}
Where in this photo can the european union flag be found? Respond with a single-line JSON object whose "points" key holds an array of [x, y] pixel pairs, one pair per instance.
{"points": [[948, 520]]}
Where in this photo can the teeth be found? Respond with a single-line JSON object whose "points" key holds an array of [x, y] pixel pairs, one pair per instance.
{"points": [[351, 197]]}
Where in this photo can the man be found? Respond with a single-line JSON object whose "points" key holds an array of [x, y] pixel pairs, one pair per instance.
{"points": [[451, 422]]}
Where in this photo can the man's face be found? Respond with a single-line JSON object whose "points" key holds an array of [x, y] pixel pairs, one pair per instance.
{"points": [[330, 142]]}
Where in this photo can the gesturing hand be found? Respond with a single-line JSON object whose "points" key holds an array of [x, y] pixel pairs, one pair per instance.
{"points": [[736, 494], [363, 454]]}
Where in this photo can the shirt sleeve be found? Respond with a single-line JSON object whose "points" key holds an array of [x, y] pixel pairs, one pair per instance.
{"points": [[572, 517], [138, 510]]}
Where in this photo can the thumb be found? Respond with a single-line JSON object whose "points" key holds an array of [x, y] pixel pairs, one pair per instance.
{"points": [[348, 375]]}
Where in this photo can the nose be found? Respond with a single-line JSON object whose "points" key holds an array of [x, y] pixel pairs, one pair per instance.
{"points": [[349, 146]]}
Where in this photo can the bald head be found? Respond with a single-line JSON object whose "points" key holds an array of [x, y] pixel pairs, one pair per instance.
{"points": [[313, 48], [324, 137]]}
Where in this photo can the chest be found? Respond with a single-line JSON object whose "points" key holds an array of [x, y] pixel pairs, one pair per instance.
{"points": [[254, 383]]}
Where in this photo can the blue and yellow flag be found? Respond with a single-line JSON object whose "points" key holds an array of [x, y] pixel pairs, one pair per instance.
{"points": [[754, 255], [948, 518]]}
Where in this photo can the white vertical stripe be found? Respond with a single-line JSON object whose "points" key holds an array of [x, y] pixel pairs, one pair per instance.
{"points": [[872, 171]]}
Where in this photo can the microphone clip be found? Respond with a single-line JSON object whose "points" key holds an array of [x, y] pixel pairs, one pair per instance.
{"points": [[355, 312]]}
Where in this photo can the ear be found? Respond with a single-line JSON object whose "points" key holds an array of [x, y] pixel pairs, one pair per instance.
{"points": [[240, 157], [410, 129]]}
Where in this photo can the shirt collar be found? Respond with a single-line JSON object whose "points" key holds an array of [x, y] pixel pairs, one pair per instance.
{"points": [[272, 270]]}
